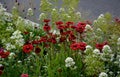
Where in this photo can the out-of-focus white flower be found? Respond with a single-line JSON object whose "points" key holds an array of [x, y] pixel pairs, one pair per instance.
{"points": [[19, 42], [103, 74], [9, 46], [100, 16], [62, 10], [88, 47], [42, 16], [106, 49], [96, 51], [88, 27], [78, 14], [11, 55], [30, 12], [118, 41], [9, 28], [69, 62]]}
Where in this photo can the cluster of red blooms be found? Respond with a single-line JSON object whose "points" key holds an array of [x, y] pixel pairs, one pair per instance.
{"points": [[24, 75], [117, 20], [1, 69], [67, 32], [3, 54], [101, 45]]}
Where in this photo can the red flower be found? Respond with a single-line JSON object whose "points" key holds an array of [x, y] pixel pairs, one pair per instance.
{"points": [[46, 20], [80, 27], [27, 48], [1, 72], [80, 45], [88, 22], [117, 20], [72, 37], [74, 46], [24, 75], [4, 54], [43, 39], [62, 39], [69, 23], [101, 45], [25, 32], [46, 28], [59, 23], [37, 50], [52, 40], [61, 27]]}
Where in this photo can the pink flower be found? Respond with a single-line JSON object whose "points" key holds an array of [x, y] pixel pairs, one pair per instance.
{"points": [[24, 75]]}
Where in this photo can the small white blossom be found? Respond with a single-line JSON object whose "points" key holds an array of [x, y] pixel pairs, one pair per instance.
{"points": [[103, 74], [69, 62], [9, 28], [100, 16], [118, 41], [9, 46], [78, 14], [106, 49], [11, 55], [42, 16], [96, 51], [88, 27], [30, 12], [62, 9]]}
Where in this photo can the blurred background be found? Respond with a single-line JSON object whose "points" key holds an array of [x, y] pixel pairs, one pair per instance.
{"points": [[90, 9]]}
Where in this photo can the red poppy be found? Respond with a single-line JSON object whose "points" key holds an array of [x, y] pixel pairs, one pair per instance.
{"points": [[71, 37], [27, 48], [62, 39], [74, 46], [52, 40], [46, 20], [4, 54], [43, 39], [61, 27], [25, 32], [37, 50], [46, 28], [69, 23], [59, 23], [82, 46], [1, 72], [24, 75], [99, 46], [80, 27]]}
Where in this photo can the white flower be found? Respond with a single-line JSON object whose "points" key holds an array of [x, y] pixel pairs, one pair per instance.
{"points": [[30, 12], [96, 51], [106, 49], [9, 46], [69, 62], [88, 47], [9, 28], [62, 9], [103, 74], [118, 41], [42, 16], [11, 55], [88, 27], [100, 16], [78, 14]]}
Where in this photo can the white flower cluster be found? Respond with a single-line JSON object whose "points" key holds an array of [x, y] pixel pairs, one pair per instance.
{"points": [[9, 28], [107, 54], [69, 62], [88, 27], [9, 46], [42, 16], [118, 41], [2, 9], [103, 74], [30, 12], [18, 38], [88, 49]]}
